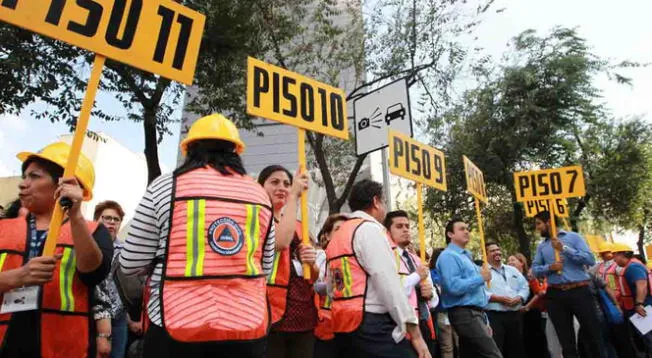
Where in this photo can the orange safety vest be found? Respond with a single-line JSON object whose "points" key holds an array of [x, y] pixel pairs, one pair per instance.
{"points": [[626, 296], [65, 315], [348, 277], [213, 284], [278, 280], [610, 277], [324, 328]]}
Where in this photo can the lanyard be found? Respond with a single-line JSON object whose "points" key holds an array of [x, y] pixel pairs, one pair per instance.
{"points": [[501, 273], [35, 240]]}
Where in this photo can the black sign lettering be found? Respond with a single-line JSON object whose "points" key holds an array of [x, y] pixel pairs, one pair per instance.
{"points": [[54, 12], [89, 29], [10, 4], [292, 112], [398, 150], [261, 84], [167, 16], [414, 154], [307, 103], [117, 14]]}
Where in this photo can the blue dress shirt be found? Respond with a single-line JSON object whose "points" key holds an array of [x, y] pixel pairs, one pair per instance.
{"points": [[507, 281], [462, 284], [576, 255]]}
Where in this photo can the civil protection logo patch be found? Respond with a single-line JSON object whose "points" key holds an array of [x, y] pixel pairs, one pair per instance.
{"points": [[225, 236]]}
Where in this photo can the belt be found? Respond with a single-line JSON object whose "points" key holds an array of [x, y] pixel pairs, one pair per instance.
{"points": [[569, 286], [472, 308]]}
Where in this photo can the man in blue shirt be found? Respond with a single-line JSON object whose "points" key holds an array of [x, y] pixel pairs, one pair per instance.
{"points": [[507, 293], [568, 292], [635, 289], [463, 294]]}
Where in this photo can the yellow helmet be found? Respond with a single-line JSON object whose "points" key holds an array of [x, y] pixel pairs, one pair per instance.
{"points": [[215, 126], [604, 246], [58, 153], [620, 247]]}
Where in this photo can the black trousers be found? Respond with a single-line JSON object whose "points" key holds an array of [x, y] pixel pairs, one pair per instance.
{"points": [[159, 344], [578, 302], [373, 339], [471, 327], [508, 332]]}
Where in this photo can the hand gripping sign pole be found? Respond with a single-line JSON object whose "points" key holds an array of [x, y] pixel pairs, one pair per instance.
{"points": [[475, 186], [110, 30], [280, 95], [550, 185], [420, 163]]}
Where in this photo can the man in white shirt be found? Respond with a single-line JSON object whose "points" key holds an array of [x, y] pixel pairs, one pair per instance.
{"points": [[508, 291], [387, 316], [418, 284]]}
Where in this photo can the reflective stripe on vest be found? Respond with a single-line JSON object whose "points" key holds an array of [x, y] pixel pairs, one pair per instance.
{"points": [[346, 273], [195, 248], [272, 277], [3, 257], [66, 275], [252, 233]]}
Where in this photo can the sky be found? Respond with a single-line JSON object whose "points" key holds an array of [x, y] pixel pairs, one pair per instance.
{"points": [[615, 30]]}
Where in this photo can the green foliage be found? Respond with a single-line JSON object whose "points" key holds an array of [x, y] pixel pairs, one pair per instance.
{"points": [[538, 108]]}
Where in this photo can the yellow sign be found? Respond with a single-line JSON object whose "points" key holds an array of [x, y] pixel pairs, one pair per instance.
{"points": [[475, 180], [416, 161], [648, 252], [594, 242], [159, 36], [288, 97], [533, 207], [566, 182]]}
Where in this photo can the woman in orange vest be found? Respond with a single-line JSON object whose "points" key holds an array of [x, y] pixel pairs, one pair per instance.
{"points": [[290, 296], [325, 346], [205, 228], [46, 306]]}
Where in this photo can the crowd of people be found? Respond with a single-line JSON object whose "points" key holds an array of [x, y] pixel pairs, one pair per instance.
{"points": [[213, 266]]}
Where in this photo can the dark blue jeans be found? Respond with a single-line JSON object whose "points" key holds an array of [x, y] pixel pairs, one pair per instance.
{"points": [[119, 332]]}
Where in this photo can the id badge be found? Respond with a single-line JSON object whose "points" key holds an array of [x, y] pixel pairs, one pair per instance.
{"points": [[20, 299]]}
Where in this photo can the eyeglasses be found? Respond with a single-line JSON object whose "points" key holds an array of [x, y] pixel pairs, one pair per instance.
{"points": [[109, 219]]}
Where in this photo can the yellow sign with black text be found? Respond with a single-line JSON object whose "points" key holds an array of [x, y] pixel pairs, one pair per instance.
{"points": [[416, 161], [474, 180], [566, 182], [280, 95], [533, 207], [158, 36]]}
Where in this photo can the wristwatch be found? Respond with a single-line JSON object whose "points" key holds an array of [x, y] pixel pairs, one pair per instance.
{"points": [[104, 335]]}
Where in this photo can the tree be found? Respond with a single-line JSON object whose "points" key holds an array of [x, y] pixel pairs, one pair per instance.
{"points": [[526, 112]]}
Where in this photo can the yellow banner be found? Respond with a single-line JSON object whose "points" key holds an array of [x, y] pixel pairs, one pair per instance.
{"points": [[566, 182], [288, 97], [533, 207], [475, 180], [158, 36], [416, 161]]}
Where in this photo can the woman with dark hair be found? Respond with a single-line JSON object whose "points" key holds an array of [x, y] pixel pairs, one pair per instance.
{"points": [[109, 311], [207, 230], [291, 298], [324, 336], [47, 299]]}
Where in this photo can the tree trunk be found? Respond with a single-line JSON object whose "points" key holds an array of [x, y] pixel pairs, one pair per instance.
{"points": [[151, 144], [517, 226], [575, 216]]}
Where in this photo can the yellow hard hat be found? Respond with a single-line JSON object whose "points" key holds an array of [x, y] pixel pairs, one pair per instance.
{"points": [[58, 153], [620, 247], [604, 246], [215, 126]]}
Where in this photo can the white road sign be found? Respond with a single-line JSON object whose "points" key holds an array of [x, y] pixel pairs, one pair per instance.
{"points": [[375, 112]]}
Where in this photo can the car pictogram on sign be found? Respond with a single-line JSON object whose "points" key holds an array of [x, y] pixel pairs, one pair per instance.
{"points": [[395, 111]]}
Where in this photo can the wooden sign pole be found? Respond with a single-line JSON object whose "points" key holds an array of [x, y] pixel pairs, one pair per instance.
{"points": [[301, 148], [422, 234], [75, 150], [553, 228]]}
